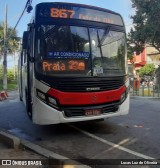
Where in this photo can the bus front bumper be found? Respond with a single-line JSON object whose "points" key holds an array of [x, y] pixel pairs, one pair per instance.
{"points": [[45, 115]]}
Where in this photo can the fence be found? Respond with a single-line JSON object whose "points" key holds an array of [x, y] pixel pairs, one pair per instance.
{"points": [[136, 89]]}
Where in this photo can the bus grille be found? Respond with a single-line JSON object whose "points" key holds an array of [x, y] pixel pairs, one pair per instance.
{"points": [[69, 85], [80, 111]]}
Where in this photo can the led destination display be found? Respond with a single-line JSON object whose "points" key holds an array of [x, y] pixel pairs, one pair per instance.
{"points": [[65, 11], [63, 65]]}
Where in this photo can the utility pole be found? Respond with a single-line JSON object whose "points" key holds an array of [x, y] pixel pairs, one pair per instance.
{"points": [[5, 52]]}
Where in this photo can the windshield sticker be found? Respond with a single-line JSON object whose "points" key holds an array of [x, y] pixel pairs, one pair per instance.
{"points": [[97, 70], [77, 55]]}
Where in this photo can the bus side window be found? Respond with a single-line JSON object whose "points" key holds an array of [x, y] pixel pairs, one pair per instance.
{"points": [[31, 43], [27, 44]]}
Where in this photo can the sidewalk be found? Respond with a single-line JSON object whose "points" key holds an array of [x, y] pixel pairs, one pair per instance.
{"points": [[24, 151], [14, 150], [7, 153], [12, 147]]}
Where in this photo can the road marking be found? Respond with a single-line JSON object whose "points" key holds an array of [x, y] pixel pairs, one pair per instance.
{"points": [[112, 144]]}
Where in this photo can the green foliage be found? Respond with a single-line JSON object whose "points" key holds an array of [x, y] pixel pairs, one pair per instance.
{"points": [[148, 69], [10, 75], [12, 83], [1, 74], [133, 45], [129, 51], [12, 45], [11, 86], [146, 24], [12, 40]]}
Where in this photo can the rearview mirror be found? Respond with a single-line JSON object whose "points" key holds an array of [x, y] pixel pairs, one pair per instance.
{"points": [[25, 40]]}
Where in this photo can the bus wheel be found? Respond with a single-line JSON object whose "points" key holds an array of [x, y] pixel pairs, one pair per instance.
{"points": [[99, 120], [28, 106], [20, 97]]}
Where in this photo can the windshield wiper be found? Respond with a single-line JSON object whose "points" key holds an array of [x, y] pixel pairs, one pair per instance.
{"points": [[99, 44], [100, 41], [104, 36]]}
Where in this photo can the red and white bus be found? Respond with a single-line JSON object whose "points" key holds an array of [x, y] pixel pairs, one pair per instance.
{"points": [[73, 65]]}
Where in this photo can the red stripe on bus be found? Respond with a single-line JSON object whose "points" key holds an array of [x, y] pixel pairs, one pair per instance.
{"points": [[86, 98]]}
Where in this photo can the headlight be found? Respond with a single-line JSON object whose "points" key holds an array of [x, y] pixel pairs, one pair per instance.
{"points": [[123, 97], [41, 95], [52, 101], [47, 99]]}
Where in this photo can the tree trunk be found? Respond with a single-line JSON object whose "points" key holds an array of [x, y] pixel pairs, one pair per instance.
{"points": [[5, 53]]}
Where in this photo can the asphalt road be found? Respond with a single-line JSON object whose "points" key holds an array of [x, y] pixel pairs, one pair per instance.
{"points": [[134, 136]]}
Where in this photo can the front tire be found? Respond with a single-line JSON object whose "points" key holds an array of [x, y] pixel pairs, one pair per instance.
{"points": [[28, 106], [20, 97]]}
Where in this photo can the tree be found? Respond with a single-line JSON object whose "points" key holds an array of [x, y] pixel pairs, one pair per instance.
{"points": [[12, 40], [130, 50], [146, 24], [10, 46], [1, 40], [148, 70]]}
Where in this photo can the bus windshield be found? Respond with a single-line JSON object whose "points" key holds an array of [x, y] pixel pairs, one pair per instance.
{"points": [[80, 51]]}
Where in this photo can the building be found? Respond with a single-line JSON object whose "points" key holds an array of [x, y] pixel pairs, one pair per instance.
{"points": [[153, 57], [149, 56], [140, 60]]}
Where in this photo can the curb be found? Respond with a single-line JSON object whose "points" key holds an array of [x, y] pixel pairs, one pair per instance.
{"points": [[144, 97], [10, 140], [61, 160], [15, 142]]}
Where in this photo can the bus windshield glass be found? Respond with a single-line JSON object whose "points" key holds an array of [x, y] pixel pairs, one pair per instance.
{"points": [[80, 51]]}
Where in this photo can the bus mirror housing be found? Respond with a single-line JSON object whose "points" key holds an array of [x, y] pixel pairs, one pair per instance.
{"points": [[25, 40]]}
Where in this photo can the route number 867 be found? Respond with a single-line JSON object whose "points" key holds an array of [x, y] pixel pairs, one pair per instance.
{"points": [[62, 13]]}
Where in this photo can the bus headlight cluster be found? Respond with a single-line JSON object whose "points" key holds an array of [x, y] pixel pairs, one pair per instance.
{"points": [[52, 101], [41, 95], [124, 95], [45, 98]]}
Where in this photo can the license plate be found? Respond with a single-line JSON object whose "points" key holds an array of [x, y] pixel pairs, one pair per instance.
{"points": [[91, 112]]}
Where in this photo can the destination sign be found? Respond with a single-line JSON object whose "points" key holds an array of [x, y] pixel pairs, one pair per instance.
{"points": [[63, 13], [63, 65], [75, 12]]}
